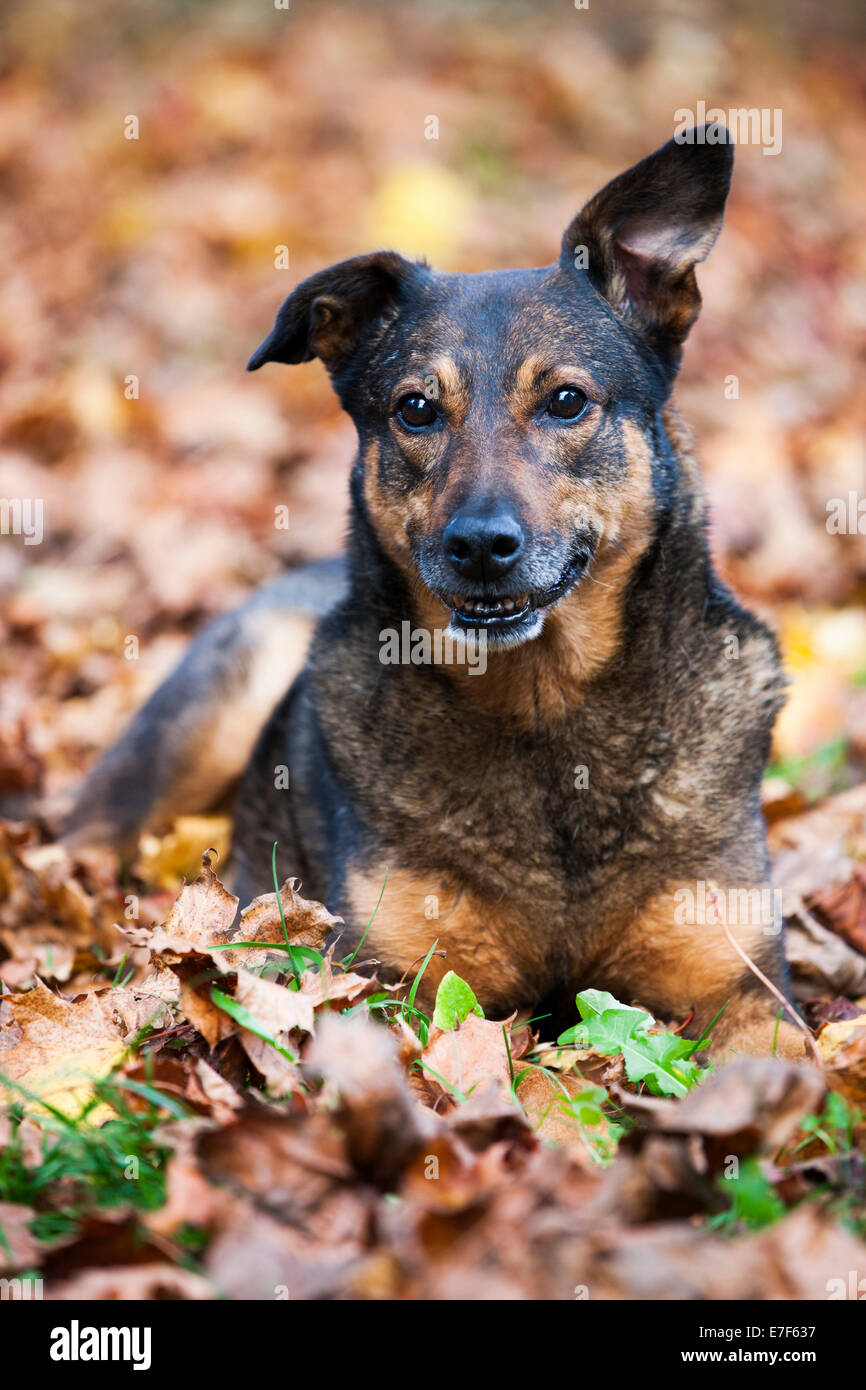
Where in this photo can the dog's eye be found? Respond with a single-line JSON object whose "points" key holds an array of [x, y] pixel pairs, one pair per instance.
{"points": [[567, 403], [416, 412]]}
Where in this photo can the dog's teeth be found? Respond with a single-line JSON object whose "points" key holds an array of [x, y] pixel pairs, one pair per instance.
{"points": [[489, 608]]}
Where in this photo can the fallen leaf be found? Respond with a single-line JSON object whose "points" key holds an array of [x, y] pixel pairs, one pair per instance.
{"points": [[54, 1049], [843, 1047], [553, 1117], [752, 1104], [19, 1249], [374, 1108], [280, 1011], [277, 1007], [202, 917], [167, 861], [463, 1057], [327, 986], [843, 909], [308, 923], [123, 1283]]}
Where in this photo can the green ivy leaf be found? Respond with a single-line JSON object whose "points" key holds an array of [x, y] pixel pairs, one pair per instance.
{"points": [[454, 1002], [754, 1202]]}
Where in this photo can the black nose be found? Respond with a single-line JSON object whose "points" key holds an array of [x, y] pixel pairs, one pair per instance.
{"points": [[483, 547]]}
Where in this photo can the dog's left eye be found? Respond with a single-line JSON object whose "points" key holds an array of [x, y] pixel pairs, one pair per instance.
{"points": [[567, 403], [416, 412]]}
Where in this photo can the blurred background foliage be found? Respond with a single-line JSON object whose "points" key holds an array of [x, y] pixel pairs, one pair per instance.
{"points": [[306, 128]]}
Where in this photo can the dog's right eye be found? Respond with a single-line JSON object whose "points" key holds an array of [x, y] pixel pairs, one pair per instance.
{"points": [[415, 412], [568, 403]]}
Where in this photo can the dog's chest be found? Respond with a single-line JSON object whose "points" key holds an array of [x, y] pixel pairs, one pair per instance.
{"points": [[531, 818], [500, 846], [499, 857]]}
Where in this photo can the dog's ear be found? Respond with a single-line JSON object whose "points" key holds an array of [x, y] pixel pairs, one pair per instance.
{"points": [[640, 238], [327, 315]]}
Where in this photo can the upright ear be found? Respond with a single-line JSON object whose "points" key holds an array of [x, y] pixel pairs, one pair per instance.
{"points": [[327, 315], [642, 235]]}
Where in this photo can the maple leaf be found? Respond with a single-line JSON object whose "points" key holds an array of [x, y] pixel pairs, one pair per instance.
{"points": [[55, 1049]]}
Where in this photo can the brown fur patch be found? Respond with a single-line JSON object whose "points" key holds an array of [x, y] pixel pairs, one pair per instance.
{"points": [[481, 940], [667, 964], [683, 443], [453, 394], [392, 516]]}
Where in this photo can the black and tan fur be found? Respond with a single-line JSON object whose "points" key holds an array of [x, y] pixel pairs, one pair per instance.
{"points": [[635, 662]]}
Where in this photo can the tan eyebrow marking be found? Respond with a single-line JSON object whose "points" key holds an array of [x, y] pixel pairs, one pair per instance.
{"points": [[535, 370], [441, 381], [446, 371]]}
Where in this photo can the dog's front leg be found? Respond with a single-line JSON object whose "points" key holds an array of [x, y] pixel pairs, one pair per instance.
{"points": [[678, 957]]}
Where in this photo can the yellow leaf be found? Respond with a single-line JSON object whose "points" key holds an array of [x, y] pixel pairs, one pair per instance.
{"points": [[55, 1049], [171, 860]]}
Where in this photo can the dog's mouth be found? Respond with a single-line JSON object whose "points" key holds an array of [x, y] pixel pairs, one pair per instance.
{"points": [[513, 615], [490, 612]]}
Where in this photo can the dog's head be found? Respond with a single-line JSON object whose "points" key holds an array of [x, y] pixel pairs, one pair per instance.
{"points": [[509, 421]]}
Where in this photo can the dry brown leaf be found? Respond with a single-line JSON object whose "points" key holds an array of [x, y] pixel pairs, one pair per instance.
{"points": [[56, 1048], [189, 1199], [328, 986], [545, 1101], [280, 1011], [488, 1119], [202, 917], [755, 1103], [278, 1008], [374, 1107], [45, 950], [807, 1256], [293, 1165], [817, 852], [843, 908], [280, 1074], [218, 1092], [255, 1257], [73, 908], [19, 1249], [213, 1023], [133, 1282], [446, 1176], [168, 861], [472, 1053], [146, 1005], [821, 960], [308, 923], [843, 1047]]}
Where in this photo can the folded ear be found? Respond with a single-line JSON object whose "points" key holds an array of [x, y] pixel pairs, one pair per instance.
{"points": [[327, 315], [640, 238]]}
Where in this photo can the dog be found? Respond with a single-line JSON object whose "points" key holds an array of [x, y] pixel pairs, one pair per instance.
{"points": [[559, 814]]}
